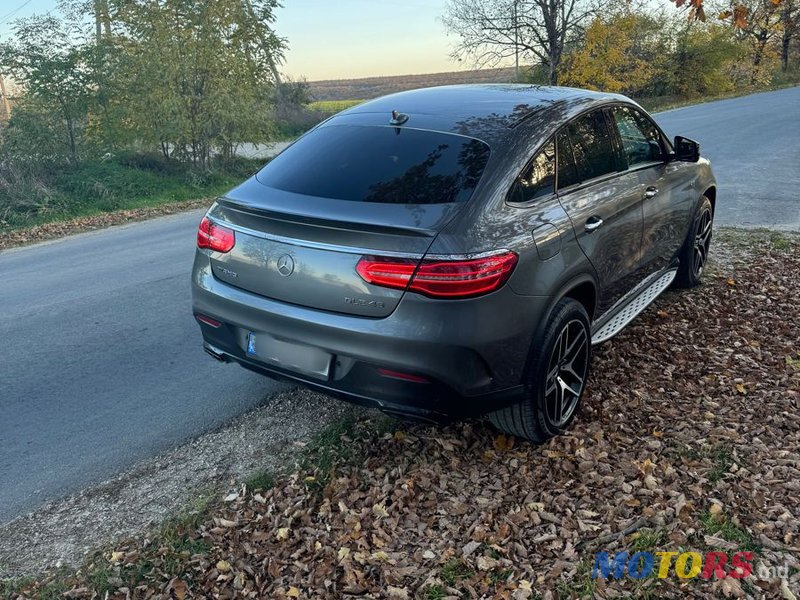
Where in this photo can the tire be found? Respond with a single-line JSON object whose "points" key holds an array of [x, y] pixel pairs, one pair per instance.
{"points": [[535, 417], [694, 252]]}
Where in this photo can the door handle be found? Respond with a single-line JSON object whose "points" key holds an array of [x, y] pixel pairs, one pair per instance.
{"points": [[650, 192], [593, 223]]}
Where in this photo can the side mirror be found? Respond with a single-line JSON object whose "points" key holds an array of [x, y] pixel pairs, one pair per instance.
{"points": [[686, 150]]}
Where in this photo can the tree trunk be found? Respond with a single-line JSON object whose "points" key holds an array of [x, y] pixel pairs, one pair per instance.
{"points": [[758, 56], [6, 103], [789, 25]]}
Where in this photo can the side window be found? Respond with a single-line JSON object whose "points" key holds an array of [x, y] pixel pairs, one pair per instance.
{"points": [[641, 141], [539, 177], [591, 146], [567, 171]]}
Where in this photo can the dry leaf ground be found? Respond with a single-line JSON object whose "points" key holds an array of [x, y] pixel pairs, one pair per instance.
{"points": [[31, 235], [689, 439]]}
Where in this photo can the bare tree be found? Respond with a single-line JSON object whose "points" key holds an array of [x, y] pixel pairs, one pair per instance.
{"points": [[490, 31]]}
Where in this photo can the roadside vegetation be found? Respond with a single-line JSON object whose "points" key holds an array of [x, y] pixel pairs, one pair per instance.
{"points": [[119, 183], [125, 104], [688, 441]]}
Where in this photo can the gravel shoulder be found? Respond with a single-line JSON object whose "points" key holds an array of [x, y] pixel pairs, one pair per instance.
{"points": [[176, 483]]}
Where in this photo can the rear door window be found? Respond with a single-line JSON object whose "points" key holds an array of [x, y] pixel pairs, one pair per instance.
{"points": [[539, 177], [567, 171], [379, 164], [591, 146], [641, 140]]}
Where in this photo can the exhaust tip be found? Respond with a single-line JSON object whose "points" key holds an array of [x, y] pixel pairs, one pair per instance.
{"points": [[215, 353]]}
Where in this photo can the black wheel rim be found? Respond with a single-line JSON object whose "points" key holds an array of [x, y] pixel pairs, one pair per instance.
{"points": [[702, 241], [566, 373]]}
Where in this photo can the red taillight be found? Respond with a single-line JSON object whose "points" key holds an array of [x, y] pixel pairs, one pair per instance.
{"points": [[386, 272], [214, 236], [447, 277]]}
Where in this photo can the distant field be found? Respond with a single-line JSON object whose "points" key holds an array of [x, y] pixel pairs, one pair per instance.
{"points": [[333, 106], [343, 90]]}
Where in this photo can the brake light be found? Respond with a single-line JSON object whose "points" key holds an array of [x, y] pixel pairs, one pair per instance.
{"points": [[214, 236], [441, 277]]}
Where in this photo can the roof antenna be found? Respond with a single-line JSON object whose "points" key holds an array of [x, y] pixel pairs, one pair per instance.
{"points": [[398, 118]]}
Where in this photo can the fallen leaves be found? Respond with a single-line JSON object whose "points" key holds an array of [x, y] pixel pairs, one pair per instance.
{"points": [[223, 566], [48, 231]]}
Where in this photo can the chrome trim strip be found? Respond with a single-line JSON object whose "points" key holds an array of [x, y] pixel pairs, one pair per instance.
{"points": [[315, 245], [469, 256], [353, 249]]}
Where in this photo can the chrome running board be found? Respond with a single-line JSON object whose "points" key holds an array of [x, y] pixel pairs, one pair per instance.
{"points": [[628, 311]]}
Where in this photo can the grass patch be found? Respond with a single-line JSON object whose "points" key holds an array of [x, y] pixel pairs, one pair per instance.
{"points": [[779, 241], [328, 448], [189, 520], [50, 588], [719, 455], [333, 106], [333, 447], [434, 592], [499, 575], [260, 481], [722, 462], [729, 531], [53, 590], [13, 586], [99, 580], [581, 585], [454, 571], [647, 540]]}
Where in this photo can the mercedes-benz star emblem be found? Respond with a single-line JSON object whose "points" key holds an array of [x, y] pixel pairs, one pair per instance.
{"points": [[285, 265]]}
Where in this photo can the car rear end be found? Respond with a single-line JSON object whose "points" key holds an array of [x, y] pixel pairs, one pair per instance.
{"points": [[319, 270]]}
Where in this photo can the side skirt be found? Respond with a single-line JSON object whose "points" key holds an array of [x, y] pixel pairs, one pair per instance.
{"points": [[629, 308]]}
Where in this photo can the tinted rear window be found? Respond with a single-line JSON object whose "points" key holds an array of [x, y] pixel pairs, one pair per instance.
{"points": [[379, 164]]}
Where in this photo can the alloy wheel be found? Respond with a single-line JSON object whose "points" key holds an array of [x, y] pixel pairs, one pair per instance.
{"points": [[702, 242], [566, 373]]}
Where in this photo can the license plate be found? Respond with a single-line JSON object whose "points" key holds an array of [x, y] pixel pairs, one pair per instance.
{"points": [[300, 358]]}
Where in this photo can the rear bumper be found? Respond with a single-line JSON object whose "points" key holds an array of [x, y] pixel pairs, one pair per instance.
{"points": [[472, 352]]}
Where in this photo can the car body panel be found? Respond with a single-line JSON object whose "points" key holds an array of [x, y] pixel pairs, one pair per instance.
{"points": [[614, 249], [468, 348], [464, 344]]}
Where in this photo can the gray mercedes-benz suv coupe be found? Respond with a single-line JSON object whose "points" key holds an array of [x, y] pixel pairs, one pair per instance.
{"points": [[454, 251]]}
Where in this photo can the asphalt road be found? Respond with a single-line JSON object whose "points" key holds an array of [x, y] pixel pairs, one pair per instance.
{"points": [[101, 362], [753, 143], [100, 359]]}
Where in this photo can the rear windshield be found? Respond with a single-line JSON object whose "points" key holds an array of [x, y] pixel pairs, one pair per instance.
{"points": [[379, 164]]}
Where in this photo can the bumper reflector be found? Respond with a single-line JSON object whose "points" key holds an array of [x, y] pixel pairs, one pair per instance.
{"points": [[404, 376]]}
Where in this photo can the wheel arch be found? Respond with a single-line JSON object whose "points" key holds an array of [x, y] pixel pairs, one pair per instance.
{"points": [[583, 289], [711, 194]]}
